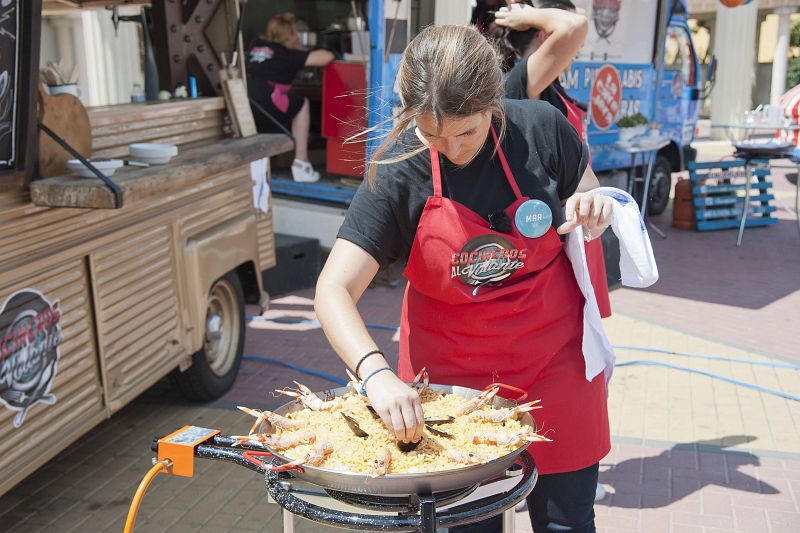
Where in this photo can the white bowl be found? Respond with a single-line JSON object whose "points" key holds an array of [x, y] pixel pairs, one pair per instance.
{"points": [[153, 153], [106, 166]]}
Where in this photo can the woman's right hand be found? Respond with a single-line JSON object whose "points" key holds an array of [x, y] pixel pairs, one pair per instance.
{"points": [[398, 405], [517, 17]]}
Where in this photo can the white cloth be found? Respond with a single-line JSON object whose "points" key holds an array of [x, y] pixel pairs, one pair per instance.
{"points": [[637, 267], [258, 173]]}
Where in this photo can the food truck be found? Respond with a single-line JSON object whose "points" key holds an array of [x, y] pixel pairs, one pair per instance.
{"points": [[638, 57], [107, 286]]}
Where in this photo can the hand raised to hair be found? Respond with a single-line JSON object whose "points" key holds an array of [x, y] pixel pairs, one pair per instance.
{"points": [[515, 17], [592, 211]]}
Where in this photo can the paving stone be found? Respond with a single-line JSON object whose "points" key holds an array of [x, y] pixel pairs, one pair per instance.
{"points": [[716, 504], [779, 518], [655, 520], [683, 518], [99, 520], [165, 517], [627, 519], [750, 519]]}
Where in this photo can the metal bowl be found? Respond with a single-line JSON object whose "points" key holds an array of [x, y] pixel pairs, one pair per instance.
{"points": [[405, 484]]}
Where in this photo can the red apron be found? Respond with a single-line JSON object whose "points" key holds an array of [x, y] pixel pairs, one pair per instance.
{"points": [[483, 306], [594, 248]]}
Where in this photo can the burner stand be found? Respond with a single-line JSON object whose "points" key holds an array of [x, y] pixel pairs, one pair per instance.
{"points": [[423, 513], [404, 505]]}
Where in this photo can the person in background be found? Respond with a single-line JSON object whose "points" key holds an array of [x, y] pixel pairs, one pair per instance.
{"points": [[482, 14], [273, 61], [547, 35]]}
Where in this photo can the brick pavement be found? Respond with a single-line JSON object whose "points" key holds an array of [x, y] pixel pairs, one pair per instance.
{"points": [[672, 468]]}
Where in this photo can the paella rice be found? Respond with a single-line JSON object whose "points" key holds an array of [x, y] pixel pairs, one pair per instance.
{"points": [[434, 452]]}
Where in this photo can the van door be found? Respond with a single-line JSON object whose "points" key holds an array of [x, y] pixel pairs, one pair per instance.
{"points": [[678, 99]]}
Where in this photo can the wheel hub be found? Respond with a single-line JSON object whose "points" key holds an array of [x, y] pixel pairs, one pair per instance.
{"points": [[222, 336], [214, 327]]}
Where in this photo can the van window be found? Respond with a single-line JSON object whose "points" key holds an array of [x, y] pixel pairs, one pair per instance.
{"points": [[679, 54]]}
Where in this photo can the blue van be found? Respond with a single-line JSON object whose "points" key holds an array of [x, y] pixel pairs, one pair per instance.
{"points": [[616, 74]]}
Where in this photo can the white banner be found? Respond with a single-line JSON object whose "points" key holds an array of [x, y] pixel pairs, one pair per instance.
{"points": [[620, 31]]}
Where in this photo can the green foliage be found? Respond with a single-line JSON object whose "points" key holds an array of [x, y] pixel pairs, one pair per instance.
{"points": [[793, 73], [632, 120], [794, 39]]}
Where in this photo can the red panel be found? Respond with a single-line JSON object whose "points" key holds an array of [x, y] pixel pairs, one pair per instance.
{"points": [[346, 159], [344, 103]]}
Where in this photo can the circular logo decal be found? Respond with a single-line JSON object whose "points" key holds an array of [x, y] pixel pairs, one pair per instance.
{"points": [[606, 97], [533, 218], [487, 259], [30, 335]]}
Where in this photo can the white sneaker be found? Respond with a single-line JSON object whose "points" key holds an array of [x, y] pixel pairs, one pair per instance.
{"points": [[599, 493], [302, 171]]}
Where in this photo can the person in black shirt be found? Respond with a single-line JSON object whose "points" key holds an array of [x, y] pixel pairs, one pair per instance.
{"points": [[273, 61], [547, 38], [473, 192]]}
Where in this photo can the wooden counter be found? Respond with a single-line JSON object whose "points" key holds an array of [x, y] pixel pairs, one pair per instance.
{"points": [[189, 167]]}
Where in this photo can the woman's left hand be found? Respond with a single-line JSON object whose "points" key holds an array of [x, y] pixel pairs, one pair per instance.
{"points": [[592, 211]]}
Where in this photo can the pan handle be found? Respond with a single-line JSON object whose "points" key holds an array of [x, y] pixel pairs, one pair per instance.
{"points": [[252, 457], [522, 393]]}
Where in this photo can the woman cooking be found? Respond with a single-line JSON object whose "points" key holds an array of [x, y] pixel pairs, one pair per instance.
{"points": [[476, 199], [273, 61]]}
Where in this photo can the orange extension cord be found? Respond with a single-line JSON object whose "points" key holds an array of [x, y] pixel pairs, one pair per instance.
{"points": [[161, 466]]}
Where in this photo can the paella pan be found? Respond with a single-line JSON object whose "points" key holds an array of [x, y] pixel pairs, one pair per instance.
{"points": [[470, 436]]}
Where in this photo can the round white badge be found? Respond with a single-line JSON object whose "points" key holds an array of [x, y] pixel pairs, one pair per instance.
{"points": [[533, 218]]}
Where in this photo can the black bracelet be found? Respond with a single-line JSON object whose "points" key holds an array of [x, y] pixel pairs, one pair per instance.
{"points": [[363, 357]]}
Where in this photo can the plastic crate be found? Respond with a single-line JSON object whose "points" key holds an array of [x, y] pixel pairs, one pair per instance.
{"points": [[298, 265]]}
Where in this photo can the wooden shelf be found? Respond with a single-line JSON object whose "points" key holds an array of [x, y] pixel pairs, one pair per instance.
{"points": [[190, 167]]}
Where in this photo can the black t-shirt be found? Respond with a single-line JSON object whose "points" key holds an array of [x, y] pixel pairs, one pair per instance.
{"points": [[516, 88], [542, 149], [267, 61]]}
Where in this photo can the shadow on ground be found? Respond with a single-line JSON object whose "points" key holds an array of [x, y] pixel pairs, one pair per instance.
{"points": [[660, 480]]}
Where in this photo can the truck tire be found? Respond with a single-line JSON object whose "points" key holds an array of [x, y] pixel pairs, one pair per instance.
{"points": [[215, 366], [659, 186]]}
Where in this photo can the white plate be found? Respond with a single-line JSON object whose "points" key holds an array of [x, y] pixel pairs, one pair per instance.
{"points": [[106, 166], [153, 153]]}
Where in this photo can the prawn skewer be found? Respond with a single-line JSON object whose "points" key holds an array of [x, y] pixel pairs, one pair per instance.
{"points": [[315, 457], [309, 399], [509, 438], [479, 401], [506, 413], [283, 442], [275, 419], [464, 457], [381, 464]]}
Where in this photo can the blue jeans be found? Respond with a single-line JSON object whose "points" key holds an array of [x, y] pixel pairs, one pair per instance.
{"points": [[559, 503]]}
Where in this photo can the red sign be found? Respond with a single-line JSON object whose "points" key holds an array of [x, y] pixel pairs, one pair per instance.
{"points": [[605, 97]]}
